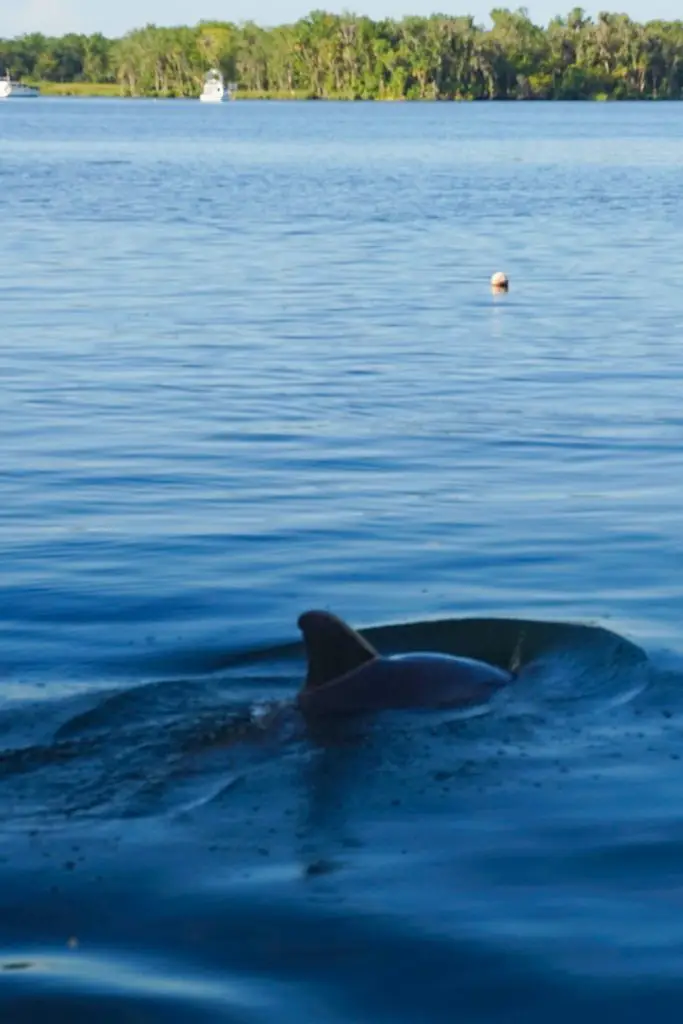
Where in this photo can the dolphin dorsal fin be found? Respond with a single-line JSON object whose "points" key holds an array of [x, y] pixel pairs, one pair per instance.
{"points": [[332, 648]]}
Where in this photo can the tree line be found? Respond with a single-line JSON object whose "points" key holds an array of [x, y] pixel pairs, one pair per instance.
{"points": [[346, 56]]}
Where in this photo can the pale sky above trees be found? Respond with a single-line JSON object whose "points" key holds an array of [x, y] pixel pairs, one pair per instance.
{"points": [[113, 19]]}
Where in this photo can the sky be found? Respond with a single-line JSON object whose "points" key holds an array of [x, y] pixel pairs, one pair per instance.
{"points": [[113, 19]]}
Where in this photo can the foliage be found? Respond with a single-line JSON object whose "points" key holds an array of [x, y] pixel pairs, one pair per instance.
{"points": [[352, 57]]}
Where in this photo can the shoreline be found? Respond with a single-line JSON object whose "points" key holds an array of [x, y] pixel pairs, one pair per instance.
{"points": [[111, 90]]}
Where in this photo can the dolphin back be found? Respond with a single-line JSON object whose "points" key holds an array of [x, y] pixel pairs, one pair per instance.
{"points": [[421, 680]]}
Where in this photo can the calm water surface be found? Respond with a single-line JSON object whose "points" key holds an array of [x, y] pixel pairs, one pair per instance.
{"points": [[250, 364]]}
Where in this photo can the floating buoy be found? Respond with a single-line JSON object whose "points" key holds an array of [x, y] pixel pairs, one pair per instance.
{"points": [[500, 282]]}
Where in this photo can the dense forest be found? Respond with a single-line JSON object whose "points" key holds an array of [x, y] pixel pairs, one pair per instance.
{"points": [[352, 57]]}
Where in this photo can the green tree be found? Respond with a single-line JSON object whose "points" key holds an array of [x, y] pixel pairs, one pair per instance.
{"points": [[351, 56]]}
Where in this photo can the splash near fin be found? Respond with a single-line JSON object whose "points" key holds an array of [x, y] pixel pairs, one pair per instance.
{"points": [[332, 648], [516, 658]]}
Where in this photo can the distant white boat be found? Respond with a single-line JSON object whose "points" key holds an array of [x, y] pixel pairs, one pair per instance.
{"points": [[215, 89], [16, 90]]}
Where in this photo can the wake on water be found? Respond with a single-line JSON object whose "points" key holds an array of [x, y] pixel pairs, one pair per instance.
{"points": [[193, 834]]}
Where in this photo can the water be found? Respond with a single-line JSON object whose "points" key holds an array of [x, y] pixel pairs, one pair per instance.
{"points": [[250, 364]]}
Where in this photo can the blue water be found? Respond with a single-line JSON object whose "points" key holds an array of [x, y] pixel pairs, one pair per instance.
{"points": [[251, 364]]}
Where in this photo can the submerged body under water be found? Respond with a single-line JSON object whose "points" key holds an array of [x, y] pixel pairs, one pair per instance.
{"points": [[251, 364]]}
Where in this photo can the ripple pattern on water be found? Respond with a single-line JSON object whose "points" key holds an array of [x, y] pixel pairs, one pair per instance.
{"points": [[251, 364]]}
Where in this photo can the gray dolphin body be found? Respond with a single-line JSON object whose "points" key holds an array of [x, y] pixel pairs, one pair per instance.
{"points": [[346, 675]]}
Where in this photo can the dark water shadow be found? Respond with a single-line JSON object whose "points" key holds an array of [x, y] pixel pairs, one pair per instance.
{"points": [[497, 640]]}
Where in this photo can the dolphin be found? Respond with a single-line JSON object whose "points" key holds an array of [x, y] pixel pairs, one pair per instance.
{"points": [[346, 675]]}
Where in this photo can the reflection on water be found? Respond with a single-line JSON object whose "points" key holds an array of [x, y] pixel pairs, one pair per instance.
{"points": [[250, 365], [133, 979]]}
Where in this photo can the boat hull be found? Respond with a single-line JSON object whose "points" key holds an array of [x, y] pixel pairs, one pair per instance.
{"points": [[10, 90], [215, 90]]}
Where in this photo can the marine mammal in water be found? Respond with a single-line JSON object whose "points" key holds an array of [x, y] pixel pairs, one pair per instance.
{"points": [[346, 675]]}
